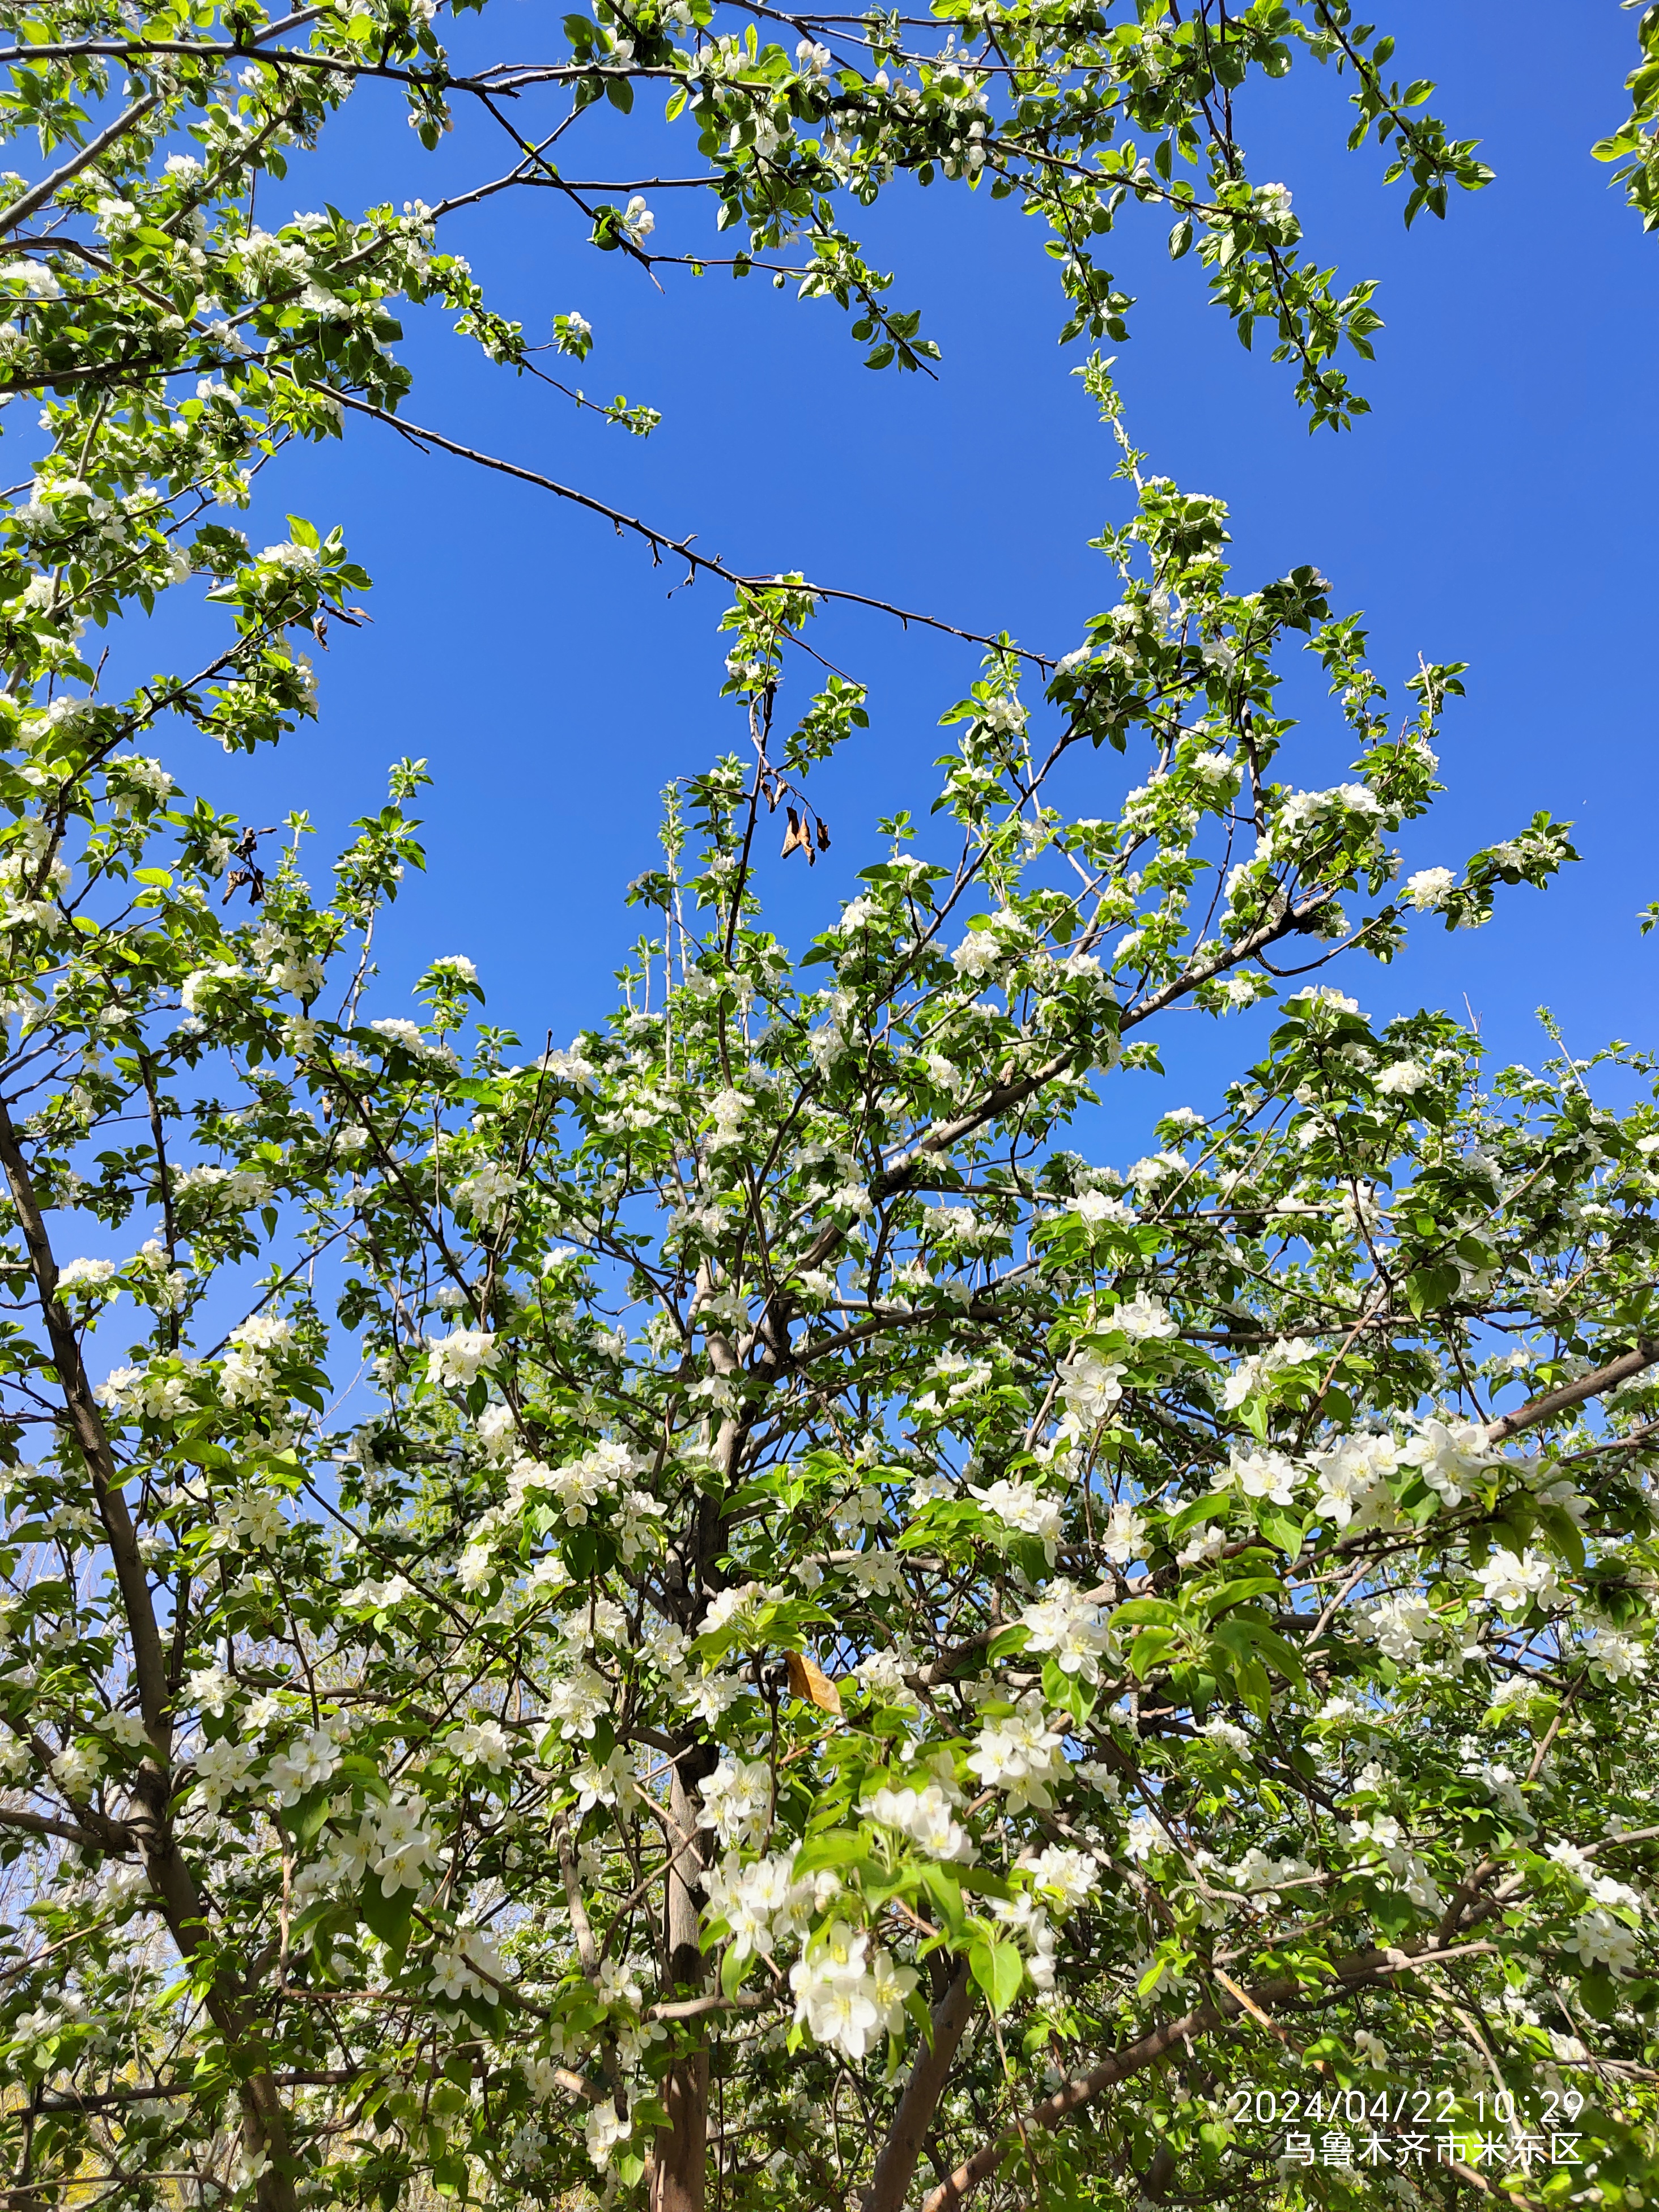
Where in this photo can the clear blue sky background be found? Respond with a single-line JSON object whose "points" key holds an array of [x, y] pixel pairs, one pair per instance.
{"points": [[1497, 507]]}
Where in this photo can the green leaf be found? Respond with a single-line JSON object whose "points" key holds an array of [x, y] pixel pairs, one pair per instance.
{"points": [[1066, 1692], [945, 1890], [1284, 1529], [388, 1917], [1563, 1533], [981, 1881], [1157, 1611], [1209, 1508], [1008, 1641], [999, 1969], [1149, 1649], [836, 1847], [305, 1820], [1429, 1289]]}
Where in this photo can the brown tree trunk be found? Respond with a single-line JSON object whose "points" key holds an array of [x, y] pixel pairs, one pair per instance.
{"points": [[896, 2168], [1155, 2181], [264, 2120], [679, 2166]]}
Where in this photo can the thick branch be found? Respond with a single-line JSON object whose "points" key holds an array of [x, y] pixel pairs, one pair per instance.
{"points": [[149, 1667], [1574, 1394], [111, 1839], [169, 1876], [1354, 1973], [38, 195], [895, 2167]]}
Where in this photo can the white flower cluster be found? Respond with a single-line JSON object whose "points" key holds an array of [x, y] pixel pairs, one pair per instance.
{"points": [[1353, 1475], [1254, 1371], [761, 1902], [1023, 1506], [576, 1487], [926, 1814], [846, 1994], [1143, 1319], [1451, 1457], [737, 1802], [1090, 1387], [1021, 1754], [481, 1742], [223, 1766], [573, 1706], [571, 1067], [1303, 809], [738, 1608], [1264, 1474], [469, 1967], [142, 1392], [487, 1194], [391, 1841], [311, 1760], [1401, 1625], [1513, 1584], [1614, 1655], [248, 1376], [1261, 1878], [249, 1520], [1077, 1631], [374, 1596], [1381, 1833], [458, 1358], [1428, 889], [1065, 1877], [1598, 1937], [1097, 1206], [1125, 1532], [214, 1189]]}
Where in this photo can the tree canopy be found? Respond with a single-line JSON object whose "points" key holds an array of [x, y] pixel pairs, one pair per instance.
{"points": [[719, 1615]]}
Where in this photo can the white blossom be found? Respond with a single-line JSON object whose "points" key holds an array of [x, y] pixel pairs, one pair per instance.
{"points": [[1023, 1507], [1429, 889], [1512, 1584], [1090, 1387], [1267, 1474], [1020, 1753], [1065, 1623], [460, 1358], [737, 1801]]}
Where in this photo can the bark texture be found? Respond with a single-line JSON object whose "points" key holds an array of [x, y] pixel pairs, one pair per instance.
{"points": [[679, 2164], [896, 2168]]}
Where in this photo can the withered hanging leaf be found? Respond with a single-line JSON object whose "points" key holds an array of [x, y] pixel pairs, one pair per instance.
{"points": [[793, 835], [808, 1680], [824, 834]]}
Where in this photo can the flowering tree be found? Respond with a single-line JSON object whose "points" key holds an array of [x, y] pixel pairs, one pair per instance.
{"points": [[849, 1641], [717, 1611]]}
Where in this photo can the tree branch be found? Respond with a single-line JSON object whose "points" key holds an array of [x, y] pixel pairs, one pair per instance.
{"points": [[1353, 1972], [116, 1841], [38, 195], [660, 542], [896, 2166], [1574, 1394]]}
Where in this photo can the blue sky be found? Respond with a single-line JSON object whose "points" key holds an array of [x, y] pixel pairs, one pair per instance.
{"points": [[1497, 507]]}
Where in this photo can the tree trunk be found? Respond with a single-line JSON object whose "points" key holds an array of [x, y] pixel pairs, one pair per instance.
{"points": [[896, 2168], [264, 2120], [1155, 2181], [679, 2166]]}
